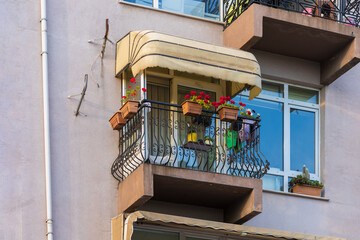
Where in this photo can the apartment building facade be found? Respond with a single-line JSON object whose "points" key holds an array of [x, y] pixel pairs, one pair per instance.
{"points": [[145, 181]]}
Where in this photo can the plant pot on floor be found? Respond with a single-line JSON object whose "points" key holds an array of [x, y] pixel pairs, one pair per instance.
{"points": [[117, 121], [192, 137], [228, 114], [307, 190], [191, 108], [129, 109]]}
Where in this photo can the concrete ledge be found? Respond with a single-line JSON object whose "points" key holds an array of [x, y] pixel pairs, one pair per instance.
{"points": [[239, 197], [334, 45]]}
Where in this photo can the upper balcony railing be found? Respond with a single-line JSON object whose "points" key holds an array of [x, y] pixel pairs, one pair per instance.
{"points": [[346, 11], [160, 134]]}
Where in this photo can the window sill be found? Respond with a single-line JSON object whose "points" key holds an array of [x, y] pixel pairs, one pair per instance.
{"points": [[173, 13], [297, 195]]}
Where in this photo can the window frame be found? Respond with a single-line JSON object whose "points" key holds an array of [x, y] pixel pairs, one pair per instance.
{"points": [[287, 173], [155, 5]]}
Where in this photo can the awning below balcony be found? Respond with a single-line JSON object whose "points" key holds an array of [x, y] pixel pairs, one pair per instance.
{"points": [[139, 50], [122, 227]]}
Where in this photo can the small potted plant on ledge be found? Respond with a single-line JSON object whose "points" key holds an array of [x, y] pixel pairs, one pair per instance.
{"points": [[117, 121], [226, 109], [193, 104], [302, 184], [130, 104], [192, 134]]}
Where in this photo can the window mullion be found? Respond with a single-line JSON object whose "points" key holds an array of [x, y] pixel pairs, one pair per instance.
{"points": [[155, 3], [286, 138]]}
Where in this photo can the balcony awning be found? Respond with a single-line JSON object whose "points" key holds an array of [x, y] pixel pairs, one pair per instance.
{"points": [[139, 50], [122, 227]]}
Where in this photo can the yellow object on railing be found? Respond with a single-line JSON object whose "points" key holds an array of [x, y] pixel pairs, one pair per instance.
{"points": [[192, 137]]}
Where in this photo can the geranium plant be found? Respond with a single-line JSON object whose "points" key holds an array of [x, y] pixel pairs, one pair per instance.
{"points": [[131, 94], [225, 102], [202, 99], [248, 112]]}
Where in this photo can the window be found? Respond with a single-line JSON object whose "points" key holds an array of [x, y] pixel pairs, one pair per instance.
{"points": [[289, 133], [208, 9]]}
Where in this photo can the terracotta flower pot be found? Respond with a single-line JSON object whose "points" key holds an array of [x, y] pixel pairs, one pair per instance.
{"points": [[228, 114], [117, 121], [129, 109], [191, 108], [307, 190]]}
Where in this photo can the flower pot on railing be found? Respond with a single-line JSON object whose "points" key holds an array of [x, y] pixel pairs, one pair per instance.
{"points": [[192, 137], [228, 114], [117, 121], [129, 109], [191, 108]]}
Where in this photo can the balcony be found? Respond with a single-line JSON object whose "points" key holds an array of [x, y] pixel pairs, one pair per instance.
{"points": [[314, 30], [166, 156]]}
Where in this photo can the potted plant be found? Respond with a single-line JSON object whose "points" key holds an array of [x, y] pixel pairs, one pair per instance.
{"points": [[302, 184], [193, 104], [208, 140], [130, 104], [226, 109], [117, 121], [192, 134]]}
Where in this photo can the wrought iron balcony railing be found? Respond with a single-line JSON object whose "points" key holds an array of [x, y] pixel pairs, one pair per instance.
{"points": [[160, 134], [343, 11]]}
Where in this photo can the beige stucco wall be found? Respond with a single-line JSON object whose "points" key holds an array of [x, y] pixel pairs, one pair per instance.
{"points": [[84, 147]]}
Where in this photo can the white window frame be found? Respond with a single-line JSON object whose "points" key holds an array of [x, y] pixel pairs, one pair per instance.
{"points": [[287, 104], [155, 4]]}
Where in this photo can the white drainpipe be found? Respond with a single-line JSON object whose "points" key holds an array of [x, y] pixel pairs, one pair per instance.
{"points": [[45, 85]]}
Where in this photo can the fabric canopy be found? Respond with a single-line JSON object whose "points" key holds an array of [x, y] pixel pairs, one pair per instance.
{"points": [[122, 227], [143, 49]]}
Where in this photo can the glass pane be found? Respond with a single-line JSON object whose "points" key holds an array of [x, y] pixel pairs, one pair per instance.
{"points": [[272, 125], [141, 234], [272, 182], [302, 140], [148, 3], [304, 95], [272, 89], [200, 8]]}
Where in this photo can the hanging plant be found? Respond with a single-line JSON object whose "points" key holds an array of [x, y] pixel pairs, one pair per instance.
{"points": [[193, 104], [130, 104]]}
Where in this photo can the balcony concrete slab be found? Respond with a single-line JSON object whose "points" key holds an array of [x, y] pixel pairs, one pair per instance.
{"points": [[240, 198], [334, 45]]}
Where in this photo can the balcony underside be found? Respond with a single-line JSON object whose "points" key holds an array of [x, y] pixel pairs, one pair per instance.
{"points": [[241, 197], [334, 45]]}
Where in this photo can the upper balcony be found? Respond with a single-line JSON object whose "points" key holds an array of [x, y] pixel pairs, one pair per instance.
{"points": [[315, 30]]}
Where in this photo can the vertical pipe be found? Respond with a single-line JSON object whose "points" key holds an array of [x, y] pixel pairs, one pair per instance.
{"points": [[45, 81]]}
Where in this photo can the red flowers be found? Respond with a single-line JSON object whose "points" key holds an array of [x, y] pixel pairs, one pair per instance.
{"points": [[249, 113], [232, 101], [143, 89], [124, 97], [202, 93], [133, 80], [199, 97], [193, 93], [242, 104], [187, 96], [207, 97], [129, 86]]}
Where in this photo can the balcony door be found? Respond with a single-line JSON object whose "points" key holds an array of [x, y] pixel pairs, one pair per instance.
{"points": [[204, 127]]}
